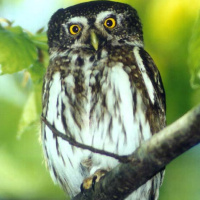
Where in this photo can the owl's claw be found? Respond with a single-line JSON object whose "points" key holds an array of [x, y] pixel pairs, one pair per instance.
{"points": [[91, 181], [94, 181], [82, 189]]}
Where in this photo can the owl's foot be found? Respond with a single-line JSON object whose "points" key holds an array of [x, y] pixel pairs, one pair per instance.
{"points": [[90, 181]]}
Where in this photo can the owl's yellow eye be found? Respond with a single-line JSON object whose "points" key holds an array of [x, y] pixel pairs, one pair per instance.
{"points": [[74, 29], [110, 23]]}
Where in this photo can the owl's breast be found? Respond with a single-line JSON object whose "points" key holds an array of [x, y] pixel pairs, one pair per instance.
{"points": [[115, 123], [103, 106]]}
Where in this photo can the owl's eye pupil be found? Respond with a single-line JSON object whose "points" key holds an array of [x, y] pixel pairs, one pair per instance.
{"points": [[75, 29], [109, 23]]}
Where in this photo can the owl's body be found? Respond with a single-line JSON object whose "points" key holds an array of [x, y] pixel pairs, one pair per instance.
{"points": [[107, 95]]}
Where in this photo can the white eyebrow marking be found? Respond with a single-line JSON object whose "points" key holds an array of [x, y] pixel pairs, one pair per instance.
{"points": [[76, 20], [82, 20], [101, 16]]}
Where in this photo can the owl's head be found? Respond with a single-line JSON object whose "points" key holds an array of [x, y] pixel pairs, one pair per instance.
{"points": [[94, 24]]}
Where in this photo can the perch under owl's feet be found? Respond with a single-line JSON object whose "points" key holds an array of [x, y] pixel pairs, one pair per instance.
{"points": [[91, 180]]}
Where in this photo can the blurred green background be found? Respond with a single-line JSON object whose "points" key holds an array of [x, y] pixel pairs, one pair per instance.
{"points": [[168, 26]]}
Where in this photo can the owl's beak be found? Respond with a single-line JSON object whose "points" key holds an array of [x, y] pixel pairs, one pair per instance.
{"points": [[94, 40]]}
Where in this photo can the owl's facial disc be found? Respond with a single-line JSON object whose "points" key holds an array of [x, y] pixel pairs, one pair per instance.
{"points": [[94, 25], [92, 32]]}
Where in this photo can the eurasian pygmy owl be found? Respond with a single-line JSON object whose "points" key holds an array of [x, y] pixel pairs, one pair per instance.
{"points": [[102, 89]]}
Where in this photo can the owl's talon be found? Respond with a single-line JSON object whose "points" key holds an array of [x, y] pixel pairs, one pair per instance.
{"points": [[91, 181], [82, 188]]}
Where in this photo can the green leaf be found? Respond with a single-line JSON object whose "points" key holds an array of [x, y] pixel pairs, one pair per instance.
{"points": [[37, 71], [29, 115], [194, 55], [40, 40], [17, 51]]}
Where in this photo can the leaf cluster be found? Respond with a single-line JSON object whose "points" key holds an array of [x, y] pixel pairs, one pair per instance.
{"points": [[27, 53]]}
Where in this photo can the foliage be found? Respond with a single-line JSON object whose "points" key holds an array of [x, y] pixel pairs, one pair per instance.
{"points": [[27, 52], [25, 49]]}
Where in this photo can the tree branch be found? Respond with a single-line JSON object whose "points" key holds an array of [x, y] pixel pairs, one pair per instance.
{"points": [[150, 158]]}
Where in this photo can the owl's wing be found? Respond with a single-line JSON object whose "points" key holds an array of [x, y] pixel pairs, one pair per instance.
{"points": [[59, 153], [152, 89], [153, 94]]}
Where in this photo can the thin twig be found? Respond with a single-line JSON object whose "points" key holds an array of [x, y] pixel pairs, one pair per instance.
{"points": [[72, 141]]}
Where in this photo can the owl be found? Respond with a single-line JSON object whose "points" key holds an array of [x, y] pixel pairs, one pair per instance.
{"points": [[101, 89]]}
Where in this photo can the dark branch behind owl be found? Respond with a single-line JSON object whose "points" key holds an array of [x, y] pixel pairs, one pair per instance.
{"points": [[72, 141]]}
